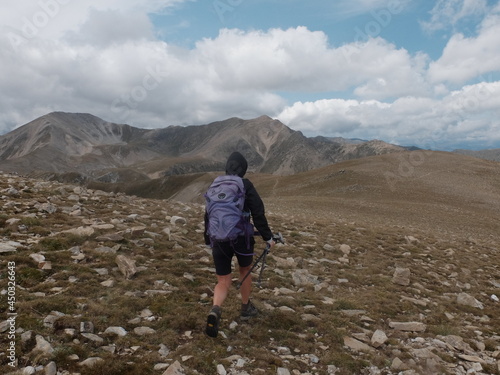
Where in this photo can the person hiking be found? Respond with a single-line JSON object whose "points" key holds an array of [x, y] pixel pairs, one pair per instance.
{"points": [[242, 247]]}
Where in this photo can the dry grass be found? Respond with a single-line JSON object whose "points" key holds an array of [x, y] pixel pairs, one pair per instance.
{"points": [[355, 207]]}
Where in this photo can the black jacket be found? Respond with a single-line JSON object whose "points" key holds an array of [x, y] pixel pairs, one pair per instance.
{"points": [[237, 165]]}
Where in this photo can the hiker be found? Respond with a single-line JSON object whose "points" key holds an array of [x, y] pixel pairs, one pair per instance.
{"points": [[241, 247]]}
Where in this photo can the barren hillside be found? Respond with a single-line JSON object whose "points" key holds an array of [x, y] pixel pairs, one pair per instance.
{"points": [[488, 154], [385, 270], [429, 190], [83, 147]]}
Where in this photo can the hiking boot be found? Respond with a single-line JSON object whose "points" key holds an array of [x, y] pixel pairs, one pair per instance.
{"points": [[213, 320], [248, 311]]}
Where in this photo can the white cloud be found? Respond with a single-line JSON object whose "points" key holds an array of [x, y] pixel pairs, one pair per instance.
{"points": [[52, 19], [298, 59], [466, 58], [151, 83], [88, 58], [328, 117], [448, 13], [112, 27], [463, 114]]}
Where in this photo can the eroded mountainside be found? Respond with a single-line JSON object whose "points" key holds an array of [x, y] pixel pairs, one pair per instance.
{"points": [[80, 147]]}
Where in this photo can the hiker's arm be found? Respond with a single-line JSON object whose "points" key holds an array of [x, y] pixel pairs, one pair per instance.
{"points": [[205, 233], [256, 207]]}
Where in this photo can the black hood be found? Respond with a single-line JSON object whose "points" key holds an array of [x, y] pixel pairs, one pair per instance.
{"points": [[236, 165]]}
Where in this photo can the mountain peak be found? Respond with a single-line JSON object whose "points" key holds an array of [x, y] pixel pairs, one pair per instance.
{"points": [[264, 118], [63, 142]]}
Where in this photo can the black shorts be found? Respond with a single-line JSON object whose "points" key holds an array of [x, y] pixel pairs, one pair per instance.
{"points": [[223, 253]]}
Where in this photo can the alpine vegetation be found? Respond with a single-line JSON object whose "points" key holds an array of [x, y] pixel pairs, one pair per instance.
{"points": [[96, 282]]}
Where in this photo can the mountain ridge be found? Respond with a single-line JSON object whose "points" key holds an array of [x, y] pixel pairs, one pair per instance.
{"points": [[60, 143], [488, 154]]}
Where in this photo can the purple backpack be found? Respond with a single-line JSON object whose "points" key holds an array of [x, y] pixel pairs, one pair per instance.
{"points": [[225, 199]]}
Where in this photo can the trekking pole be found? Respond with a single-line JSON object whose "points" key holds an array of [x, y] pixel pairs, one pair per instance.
{"points": [[276, 238], [263, 265], [262, 256]]}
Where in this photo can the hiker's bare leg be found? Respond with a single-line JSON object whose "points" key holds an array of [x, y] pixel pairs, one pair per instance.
{"points": [[246, 287], [221, 289]]}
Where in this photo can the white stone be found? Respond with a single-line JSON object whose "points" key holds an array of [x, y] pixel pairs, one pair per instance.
{"points": [[37, 257], [177, 220], [70, 332], [89, 362], [43, 345], [221, 370], [51, 318], [25, 336], [47, 207], [283, 350], [357, 345], [126, 266], [471, 358], [379, 338], [411, 239], [401, 276], [146, 313], [108, 283], [332, 369], [80, 231], [468, 300], [93, 337], [9, 246], [286, 309], [163, 351], [314, 359], [28, 370], [398, 364], [119, 331], [174, 369], [346, 249], [408, 326], [302, 277], [141, 331], [160, 366], [282, 371], [51, 368], [45, 265]]}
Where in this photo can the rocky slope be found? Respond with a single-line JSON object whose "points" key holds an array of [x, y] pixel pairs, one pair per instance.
{"points": [[492, 154], [80, 147], [107, 283]]}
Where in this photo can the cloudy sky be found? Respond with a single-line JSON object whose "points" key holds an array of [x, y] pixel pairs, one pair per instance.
{"points": [[410, 72]]}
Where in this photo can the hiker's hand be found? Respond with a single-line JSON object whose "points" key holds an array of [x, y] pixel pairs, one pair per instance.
{"points": [[278, 238], [270, 243]]}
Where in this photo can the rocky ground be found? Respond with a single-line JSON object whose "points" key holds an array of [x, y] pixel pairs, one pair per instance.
{"points": [[103, 283]]}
